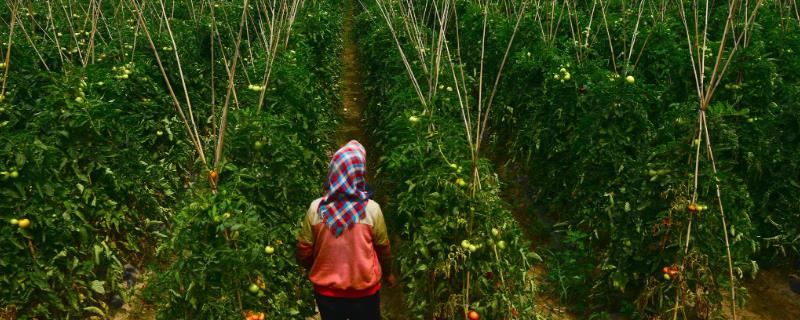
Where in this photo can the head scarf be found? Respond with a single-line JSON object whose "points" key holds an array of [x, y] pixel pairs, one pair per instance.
{"points": [[345, 199]]}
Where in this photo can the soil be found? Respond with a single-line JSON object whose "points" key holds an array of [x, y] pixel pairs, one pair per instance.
{"points": [[392, 299], [770, 297]]}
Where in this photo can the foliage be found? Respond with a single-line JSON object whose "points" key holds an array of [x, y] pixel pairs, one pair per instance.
{"points": [[424, 172]]}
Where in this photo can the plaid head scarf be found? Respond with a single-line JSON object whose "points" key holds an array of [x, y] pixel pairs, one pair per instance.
{"points": [[345, 199]]}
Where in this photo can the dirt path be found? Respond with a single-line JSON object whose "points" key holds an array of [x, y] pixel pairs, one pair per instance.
{"points": [[392, 300]]}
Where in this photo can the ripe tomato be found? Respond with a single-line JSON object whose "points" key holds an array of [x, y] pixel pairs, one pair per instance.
{"points": [[665, 270], [473, 315], [213, 175], [24, 223], [692, 207]]}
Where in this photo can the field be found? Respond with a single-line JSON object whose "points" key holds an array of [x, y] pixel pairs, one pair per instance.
{"points": [[535, 159]]}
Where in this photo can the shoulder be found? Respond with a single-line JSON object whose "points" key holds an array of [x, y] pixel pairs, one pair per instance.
{"points": [[373, 206], [373, 213], [312, 213], [314, 205]]}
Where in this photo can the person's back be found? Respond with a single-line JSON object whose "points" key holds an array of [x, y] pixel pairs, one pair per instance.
{"points": [[344, 242]]}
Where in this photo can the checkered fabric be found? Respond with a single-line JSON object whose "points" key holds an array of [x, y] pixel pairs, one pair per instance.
{"points": [[345, 200]]}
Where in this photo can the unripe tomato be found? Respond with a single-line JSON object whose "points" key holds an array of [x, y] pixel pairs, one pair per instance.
{"points": [[501, 244], [630, 79], [14, 174], [24, 223], [253, 288], [269, 249], [13, 221], [465, 244], [667, 277], [495, 232]]}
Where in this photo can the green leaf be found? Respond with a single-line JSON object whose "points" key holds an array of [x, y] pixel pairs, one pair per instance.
{"points": [[95, 310], [97, 286]]}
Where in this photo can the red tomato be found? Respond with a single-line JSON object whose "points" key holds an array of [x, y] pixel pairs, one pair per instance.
{"points": [[473, 315]]}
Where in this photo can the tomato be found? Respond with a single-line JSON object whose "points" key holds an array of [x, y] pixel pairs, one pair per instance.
{"points": [[13, 221], [495, 232], [14, 174], [258, 145], [501, 244], [630, 79], [269, 249], [413, 119], [692, 207], [472, 248], [667, 277], [213, 175], [665, 270], [253, 288], [465, 244], [24, 223], [567, 76], [673, 273], [473, 315], [460, 182]]}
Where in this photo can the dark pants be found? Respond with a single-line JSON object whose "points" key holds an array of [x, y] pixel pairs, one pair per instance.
{"points": [[366, 308]]}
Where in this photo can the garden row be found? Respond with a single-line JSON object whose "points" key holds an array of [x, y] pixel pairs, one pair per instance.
{"points": [[107, 173], [610, 160], [458, 248], [596, 113]]}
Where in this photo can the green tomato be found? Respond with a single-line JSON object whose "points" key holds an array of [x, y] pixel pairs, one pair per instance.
{"points": [[495, 232], [269, 249], [14, 174], [465, 244], [472, 248], [13, 221], [501, 244], [667, 277], [253, 288]]}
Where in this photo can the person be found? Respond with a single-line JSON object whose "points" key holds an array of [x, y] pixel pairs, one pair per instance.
{"points": [[343, 242]]}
